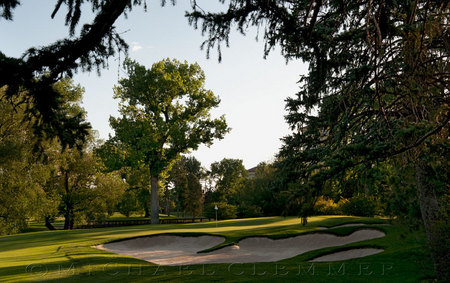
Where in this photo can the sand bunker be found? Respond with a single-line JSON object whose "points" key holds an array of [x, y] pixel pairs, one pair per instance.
{"points": [[164, 249], [174, 250], [348, 254]]}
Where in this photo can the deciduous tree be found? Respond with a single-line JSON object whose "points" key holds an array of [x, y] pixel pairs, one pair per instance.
{"points": [[186, 176], [35, 184], [165, 112], [229, 176]]}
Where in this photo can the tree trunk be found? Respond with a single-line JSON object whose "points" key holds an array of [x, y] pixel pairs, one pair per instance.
{"points": [[68, 217], [304, 220], [48, 224], [146, 209], [66, 222], [71, 221], [68, 214], [433, 220], [167, 201], [155, 200]]}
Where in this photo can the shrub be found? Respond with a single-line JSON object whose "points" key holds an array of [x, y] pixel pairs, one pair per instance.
{"points": [[249, 210], [326, 206], [358, 206], [127, 204], [225, 210]]}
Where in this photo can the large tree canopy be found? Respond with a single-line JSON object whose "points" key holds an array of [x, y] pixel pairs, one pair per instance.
{"points": [[39, 68], [377, 86], [377, 68], [165, 112]]}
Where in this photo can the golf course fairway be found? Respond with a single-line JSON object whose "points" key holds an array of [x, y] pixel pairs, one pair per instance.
{"points": [[68, 256]]}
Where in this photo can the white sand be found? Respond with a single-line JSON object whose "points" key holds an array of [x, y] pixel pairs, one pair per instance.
{"points": [[165, 250], [348, 254], [174, 250]]}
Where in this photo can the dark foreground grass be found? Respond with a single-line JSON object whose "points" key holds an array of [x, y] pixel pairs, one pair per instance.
{"points": [[66, 256]]}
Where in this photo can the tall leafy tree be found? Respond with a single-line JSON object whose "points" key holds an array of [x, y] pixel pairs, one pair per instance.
{"points": [[377, 88], [83, 192], [26, 178], [186, 176], [261, 193], [229, 176], [115, 159], [35, 184], [77, 175], [194, 193], [21, 173], [165, 112], [178, 182]]}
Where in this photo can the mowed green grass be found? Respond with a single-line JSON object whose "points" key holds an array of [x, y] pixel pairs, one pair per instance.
{"points": [[67, 255], [58, 223]]}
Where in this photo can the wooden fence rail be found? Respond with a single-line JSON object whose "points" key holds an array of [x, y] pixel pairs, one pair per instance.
{"points": [[118, 223]]}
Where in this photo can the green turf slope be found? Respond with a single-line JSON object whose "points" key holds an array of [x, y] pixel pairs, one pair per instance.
{"points": [[67, 256]]}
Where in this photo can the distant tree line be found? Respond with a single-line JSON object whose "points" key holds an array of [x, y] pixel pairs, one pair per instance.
{"points": [[165, 112]]}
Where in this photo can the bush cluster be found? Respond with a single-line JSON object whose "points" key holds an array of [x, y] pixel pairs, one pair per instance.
{"points": [[225, 211], [357, 206], [246, 210], [326, 206]]}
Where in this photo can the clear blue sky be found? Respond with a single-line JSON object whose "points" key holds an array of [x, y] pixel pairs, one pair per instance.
{"points": [[252, 89]]}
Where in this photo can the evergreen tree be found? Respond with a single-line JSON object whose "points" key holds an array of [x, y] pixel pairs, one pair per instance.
{"points": [[377, 89]]}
